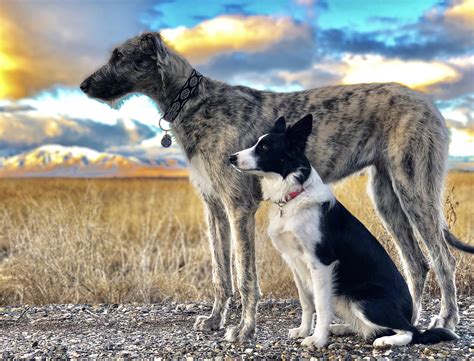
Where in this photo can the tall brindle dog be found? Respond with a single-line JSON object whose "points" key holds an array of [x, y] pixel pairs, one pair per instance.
{"points": [[395, 131]]}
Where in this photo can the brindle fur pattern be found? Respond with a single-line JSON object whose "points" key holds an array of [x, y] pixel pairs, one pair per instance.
{"points": [[395, 130]]}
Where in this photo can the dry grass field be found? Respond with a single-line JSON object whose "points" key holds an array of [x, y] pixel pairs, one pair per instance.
{"points": [[135, 240]]}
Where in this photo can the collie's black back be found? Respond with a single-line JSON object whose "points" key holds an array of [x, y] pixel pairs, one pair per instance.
{"points": [[366, 274], [365, 271]]}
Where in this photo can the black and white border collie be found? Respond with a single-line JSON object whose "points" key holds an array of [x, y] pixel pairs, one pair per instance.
{"points": [[339, 267]]}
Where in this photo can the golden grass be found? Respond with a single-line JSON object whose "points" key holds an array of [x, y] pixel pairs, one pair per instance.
{"points": [[143, 240]]}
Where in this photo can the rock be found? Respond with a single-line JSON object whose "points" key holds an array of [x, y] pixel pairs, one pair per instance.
{"points": [[189, 308]]}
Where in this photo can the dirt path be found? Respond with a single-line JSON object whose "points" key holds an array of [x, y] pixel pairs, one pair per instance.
{"points": [[165, 330]]}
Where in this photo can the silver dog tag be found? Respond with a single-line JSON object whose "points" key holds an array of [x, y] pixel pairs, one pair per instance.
{"points": [[166, 140]]}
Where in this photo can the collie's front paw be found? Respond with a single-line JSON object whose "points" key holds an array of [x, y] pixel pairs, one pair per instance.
{"points": [[315, 341], [383, 342], [240, 334], [299, 332]]}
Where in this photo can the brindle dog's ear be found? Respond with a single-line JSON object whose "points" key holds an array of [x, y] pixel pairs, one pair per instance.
{"points": [[297, 134], [151, 44], [279, 126]]}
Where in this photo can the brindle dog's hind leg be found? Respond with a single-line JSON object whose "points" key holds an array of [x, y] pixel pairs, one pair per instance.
{"points": [[425, 214], [387, 204], [417, 178], [219, 240], [242, 222]]}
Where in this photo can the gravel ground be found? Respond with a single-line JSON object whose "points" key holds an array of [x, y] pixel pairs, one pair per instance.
{"points": [[165, 330]]}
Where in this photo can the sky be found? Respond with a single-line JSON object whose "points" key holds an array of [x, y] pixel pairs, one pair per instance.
{"points": [[47, 47]]}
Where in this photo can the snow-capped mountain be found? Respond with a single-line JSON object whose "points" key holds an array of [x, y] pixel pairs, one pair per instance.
{"points": [[61, 161]]}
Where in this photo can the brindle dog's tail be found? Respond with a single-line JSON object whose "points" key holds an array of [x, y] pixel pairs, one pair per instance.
{"points": [[456, 243]]}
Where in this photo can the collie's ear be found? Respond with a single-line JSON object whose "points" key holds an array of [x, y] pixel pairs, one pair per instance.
{"points": [[279, 126], [297, 134]]}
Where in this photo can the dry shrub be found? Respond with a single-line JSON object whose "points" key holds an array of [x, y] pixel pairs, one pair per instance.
{"points": [[88, 241]]}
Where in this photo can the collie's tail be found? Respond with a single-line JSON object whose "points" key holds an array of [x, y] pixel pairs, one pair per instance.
{"points": [[434, 335]]}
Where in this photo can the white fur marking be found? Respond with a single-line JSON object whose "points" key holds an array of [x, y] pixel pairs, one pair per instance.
{"points": [[401, 338], [199, 176], [246, 159], [322, 277]]}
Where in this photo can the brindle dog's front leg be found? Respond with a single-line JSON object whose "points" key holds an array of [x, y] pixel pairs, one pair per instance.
{"points": [[242, 223], [219, 240]]}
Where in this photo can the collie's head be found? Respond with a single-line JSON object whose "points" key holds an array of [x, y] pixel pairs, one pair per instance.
{"points": [[279, 152]]}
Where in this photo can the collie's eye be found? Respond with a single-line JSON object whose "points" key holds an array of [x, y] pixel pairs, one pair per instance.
{"points": [[264, 147]]}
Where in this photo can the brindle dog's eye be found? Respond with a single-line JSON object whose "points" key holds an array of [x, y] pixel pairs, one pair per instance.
{"points": [[117, 55]]}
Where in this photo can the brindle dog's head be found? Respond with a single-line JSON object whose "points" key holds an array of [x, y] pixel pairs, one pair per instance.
{"points": [[133, 67]]}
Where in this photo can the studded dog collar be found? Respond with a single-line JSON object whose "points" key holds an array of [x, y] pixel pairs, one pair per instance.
{"points": [[178, 103]]}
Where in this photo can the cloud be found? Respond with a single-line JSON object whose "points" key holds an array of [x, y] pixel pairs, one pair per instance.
{"points": [[435, 76], [149, 149], [72, 103], [289, 54], [234, 33], [20, 131], [461, 12], [447, 80], [440, 32], [462, 142], [460, 115], [415, 74], [317, 76], [236, 48], [67, 117], [46, 43], [464, 84], [12, 108]]}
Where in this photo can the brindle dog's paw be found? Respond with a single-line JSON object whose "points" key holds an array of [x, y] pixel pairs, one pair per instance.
{"points": [[207, 323], [240, 334], [444, 322]]}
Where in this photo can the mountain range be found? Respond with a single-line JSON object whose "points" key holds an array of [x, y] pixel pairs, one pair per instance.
{"points": [[80, 162], [60, 161]]}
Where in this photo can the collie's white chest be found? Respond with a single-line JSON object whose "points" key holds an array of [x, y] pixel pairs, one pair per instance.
{"points": [[276, 221], [296, 232], [282, 233], [199, 175]]}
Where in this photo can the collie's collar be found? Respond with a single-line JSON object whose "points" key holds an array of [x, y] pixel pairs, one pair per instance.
{"points": [[290, 196]]}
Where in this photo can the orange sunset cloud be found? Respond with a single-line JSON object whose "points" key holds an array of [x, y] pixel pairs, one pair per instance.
{"points": [[230, 33]]}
